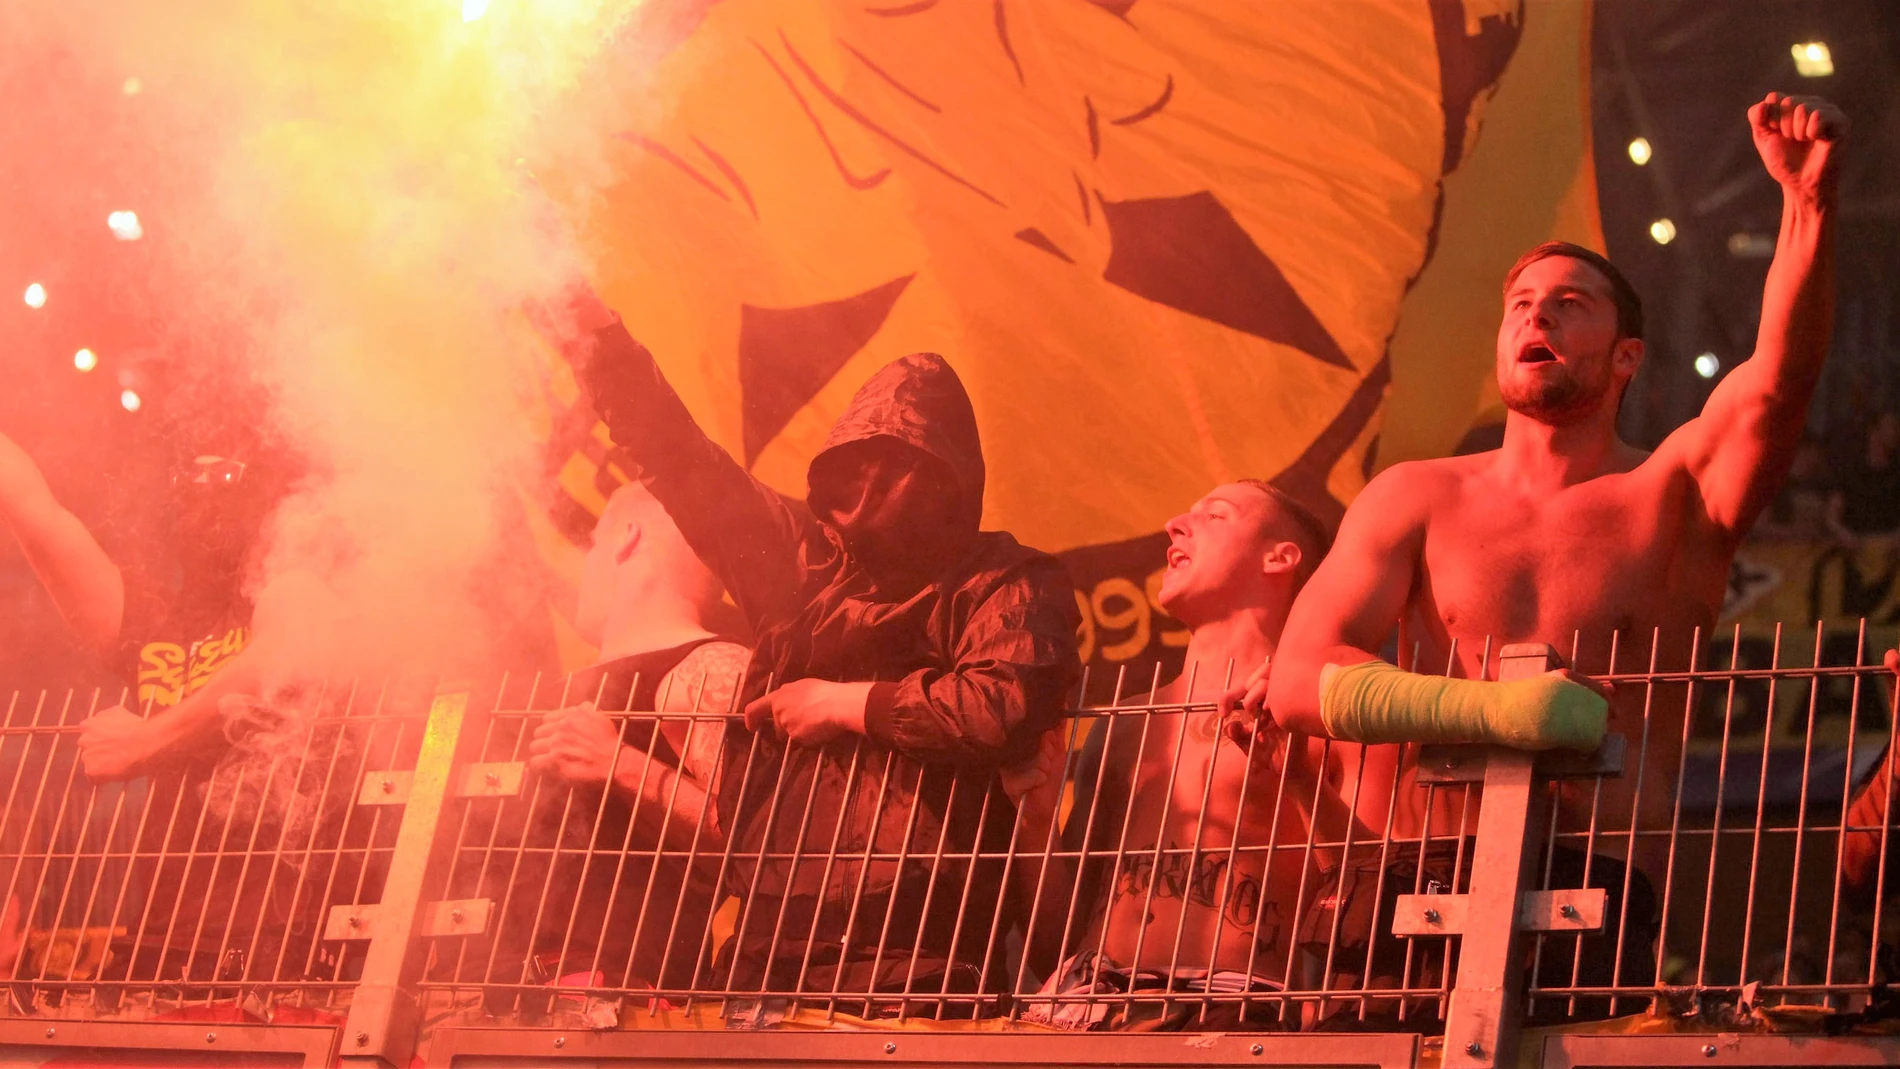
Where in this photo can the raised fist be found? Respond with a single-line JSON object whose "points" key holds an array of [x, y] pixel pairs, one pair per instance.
{"points": [[1796, 137]]}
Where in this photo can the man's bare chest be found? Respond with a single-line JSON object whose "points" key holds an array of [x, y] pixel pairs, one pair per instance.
{"points": [[1593, 561]]}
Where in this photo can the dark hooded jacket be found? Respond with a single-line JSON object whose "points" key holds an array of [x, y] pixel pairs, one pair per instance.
{"points": [[883, 891]]}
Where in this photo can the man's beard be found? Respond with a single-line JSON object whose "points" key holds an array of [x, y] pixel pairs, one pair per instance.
{"points": [[1551, 399]]}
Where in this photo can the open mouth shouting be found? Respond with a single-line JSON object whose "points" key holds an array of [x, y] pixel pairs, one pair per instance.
{"points": [[1176, 557], [1535, 352]]}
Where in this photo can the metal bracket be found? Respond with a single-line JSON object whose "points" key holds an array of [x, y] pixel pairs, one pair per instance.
{"points": [[1564, 910], [464, 916], [492, 779], [1447, 765]]}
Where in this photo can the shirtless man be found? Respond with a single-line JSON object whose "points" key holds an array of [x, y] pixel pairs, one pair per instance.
{"points": [[1567, 530], [1177, 793]]}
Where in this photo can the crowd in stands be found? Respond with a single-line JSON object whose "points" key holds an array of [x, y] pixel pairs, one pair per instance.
{"points": [[896, 651]]}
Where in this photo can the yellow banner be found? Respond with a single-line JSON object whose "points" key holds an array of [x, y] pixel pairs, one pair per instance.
{"points": [[1165, 243]]}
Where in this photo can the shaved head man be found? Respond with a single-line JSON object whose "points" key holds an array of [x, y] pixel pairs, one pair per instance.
{"points": [[1176, 792]]}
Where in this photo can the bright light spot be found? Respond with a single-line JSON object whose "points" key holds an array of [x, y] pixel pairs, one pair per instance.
{"points": [[132, 87], [1813, 60], [1663, 231], [130, 400], [473, 9], [1707, 365], [125, 226], [1639, 151], [85, 360], [36, 296]]}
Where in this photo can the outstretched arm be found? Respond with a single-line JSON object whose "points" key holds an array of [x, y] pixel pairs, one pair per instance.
{"points": [[1740, 448], [83, 582], [742, 529]]}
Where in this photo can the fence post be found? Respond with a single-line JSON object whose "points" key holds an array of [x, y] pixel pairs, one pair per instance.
{"points": [[383, 1022], [1481, 1029]]}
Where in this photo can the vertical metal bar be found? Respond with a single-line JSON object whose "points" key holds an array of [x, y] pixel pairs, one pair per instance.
{"points": [[1761, 810], [1834, 920], [484, 858], [1636, 812], [59, 822], [930, 891], [521, 846], [560, 838], [1589, 846], [1345, 860], [1161, 832], [1299, 897], [1675, 816], [1886, 826], [725, 859], [323, 802], [1715, 827], [27, 906], [381, 1029], [708, 811], [250, 850], [1071, 770], [1801, 808], [849, 796], [343, 836], [607, 789], [1200, 831], [1242, 804], [857, 897], [1484, 1013], [218, 854], [798, 853], [82, 832], [890, 905], [963, 903], [1128, 812], [662, 698]]}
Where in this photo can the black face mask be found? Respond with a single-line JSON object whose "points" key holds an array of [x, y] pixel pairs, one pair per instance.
{"points": [[896, 507], [219, 516]]}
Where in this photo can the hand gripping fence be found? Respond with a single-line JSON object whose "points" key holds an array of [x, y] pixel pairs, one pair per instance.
{"points": [[379, 873]]}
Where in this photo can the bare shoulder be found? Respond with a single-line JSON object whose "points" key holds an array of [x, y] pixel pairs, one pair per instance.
{"points": [[1401, 496], [706, 679]]}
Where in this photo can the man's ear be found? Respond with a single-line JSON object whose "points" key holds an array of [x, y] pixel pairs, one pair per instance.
{"points": [[1627, 355], [628, 542], [1281, 557]]}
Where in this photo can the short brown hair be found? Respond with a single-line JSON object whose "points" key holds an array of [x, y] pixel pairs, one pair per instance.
{"points": [[1629, 307], [1308, 532]]}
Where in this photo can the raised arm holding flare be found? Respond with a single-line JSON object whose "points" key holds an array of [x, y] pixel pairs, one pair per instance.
{"points": [[901, 644]]}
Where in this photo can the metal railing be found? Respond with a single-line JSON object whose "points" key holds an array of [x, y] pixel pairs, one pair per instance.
{"points": [[369, 874]]}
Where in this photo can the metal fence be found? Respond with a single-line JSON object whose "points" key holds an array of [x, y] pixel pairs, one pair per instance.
{"points": [[378, 874]]}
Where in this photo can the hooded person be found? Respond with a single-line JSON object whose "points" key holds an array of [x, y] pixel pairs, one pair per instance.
{"points": [[903, 656]]}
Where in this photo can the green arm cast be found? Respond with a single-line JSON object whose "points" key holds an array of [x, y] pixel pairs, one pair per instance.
{"points": [[1375, 702]]}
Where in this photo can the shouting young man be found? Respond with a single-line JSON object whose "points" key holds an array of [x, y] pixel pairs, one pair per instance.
{"points": [[1189, 802], [1569, 531]]}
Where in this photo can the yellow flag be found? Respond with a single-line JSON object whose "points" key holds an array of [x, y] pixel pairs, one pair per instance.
{"points": [[1165, 243]]}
